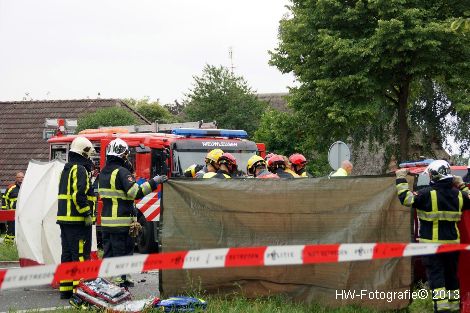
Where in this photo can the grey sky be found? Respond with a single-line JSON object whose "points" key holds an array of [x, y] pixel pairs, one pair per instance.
{"points": [[55, 49]]}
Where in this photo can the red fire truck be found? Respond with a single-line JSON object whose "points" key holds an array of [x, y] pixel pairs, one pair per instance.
{"points": [[163, 154]]}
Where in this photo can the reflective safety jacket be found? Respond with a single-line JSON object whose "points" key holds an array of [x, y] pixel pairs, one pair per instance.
{"points": [[265, 174], [10, 197], [289, 171], [285, 173], [76, 195], [219, 174], [118, 190], [339, 173], [439, 208], [304, 173]]}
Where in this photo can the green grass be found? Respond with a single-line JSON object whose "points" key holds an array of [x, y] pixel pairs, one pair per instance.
{"points": [[237, 304], [281, 305], [8, 252]]}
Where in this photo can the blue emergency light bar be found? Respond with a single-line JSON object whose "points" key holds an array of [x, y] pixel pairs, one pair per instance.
{"points": [[420, 163], [195, 132]]}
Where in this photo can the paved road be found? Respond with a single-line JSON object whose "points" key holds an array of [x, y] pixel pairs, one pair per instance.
{"points": [[35, 298]]}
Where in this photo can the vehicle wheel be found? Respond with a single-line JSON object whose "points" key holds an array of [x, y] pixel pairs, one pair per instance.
{"points": [[145, 241]]}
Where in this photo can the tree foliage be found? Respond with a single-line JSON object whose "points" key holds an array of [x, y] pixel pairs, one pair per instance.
{"points": [[176, 109], [461, 25], [284, 134], [152, 111], [220, 95], [112, 116], [361, 66]]}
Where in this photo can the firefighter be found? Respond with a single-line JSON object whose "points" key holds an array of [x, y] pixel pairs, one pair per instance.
{"points": [[277, 165], [256, 166], [227, 167], [439, 208], [266, 158], [298, 162], [118, 190], [9, 203], [76, 202], [211, 163], [344, 170], [192, 170]]}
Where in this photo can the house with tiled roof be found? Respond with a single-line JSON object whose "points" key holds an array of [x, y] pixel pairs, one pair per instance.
{"points": [[276, 100], [22, 125]]}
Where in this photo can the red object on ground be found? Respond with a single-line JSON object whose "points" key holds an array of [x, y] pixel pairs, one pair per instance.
{"points": [[464, 264]]}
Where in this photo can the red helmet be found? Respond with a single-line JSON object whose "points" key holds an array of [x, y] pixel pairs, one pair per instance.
{"points": [[227, 157], [266, 158], [275, 162], [229, 160], [297, 159]]}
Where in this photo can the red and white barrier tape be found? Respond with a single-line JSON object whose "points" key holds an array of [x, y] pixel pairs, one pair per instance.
{"points": [[216, 258]]}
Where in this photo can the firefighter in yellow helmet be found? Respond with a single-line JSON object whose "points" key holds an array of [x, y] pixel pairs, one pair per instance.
{"points": [[76, 203], [256, 166], [211, 163], [439, 208], [118, 190], [9, 203]]}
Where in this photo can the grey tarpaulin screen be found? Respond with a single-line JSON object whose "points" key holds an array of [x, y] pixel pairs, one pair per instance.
{"points": [[214, 213]]}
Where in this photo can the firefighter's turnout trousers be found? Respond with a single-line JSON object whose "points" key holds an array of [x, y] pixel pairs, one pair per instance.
{"points": [[9, 203], [441, 270], [76, 202], [76, 246], [439, 208]]}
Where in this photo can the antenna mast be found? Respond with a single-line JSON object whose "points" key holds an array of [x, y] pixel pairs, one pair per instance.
{"points": [[230, 54]]}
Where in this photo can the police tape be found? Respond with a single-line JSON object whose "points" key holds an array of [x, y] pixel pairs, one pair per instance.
{"points": [[218, 258]]}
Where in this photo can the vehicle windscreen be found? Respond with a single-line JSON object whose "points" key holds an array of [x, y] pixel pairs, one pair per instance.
{"points": [[190, 151], [423, 178], [183, 159]]}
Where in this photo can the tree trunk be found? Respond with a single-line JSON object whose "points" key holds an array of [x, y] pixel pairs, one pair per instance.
{"points": [[403, 127]]}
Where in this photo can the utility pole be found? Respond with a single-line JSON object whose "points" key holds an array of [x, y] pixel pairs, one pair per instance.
{"points": [[230, 55]]}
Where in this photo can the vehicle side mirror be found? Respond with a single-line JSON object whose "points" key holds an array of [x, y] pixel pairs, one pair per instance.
{"points": [[165, 154], [141, 148]]}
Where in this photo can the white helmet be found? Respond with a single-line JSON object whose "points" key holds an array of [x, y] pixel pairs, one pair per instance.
{"points": [[438, 170], [117, 147], [82, 146]]}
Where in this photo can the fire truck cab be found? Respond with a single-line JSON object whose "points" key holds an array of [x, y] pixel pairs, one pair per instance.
{"points": [[160, 154]]}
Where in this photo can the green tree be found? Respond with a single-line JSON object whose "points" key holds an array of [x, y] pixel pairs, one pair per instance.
{"points": [[359, 65], [224, 97], [280, 132], [284, 133], [152, 111], [113, 116], [176, 108], [461, 25]]}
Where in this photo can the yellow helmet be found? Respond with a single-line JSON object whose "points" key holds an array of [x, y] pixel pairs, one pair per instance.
{"points": [[214, 155], [252, 162]]}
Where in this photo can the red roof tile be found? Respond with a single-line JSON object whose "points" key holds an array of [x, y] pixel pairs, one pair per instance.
{"points": [[22, 125]]}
